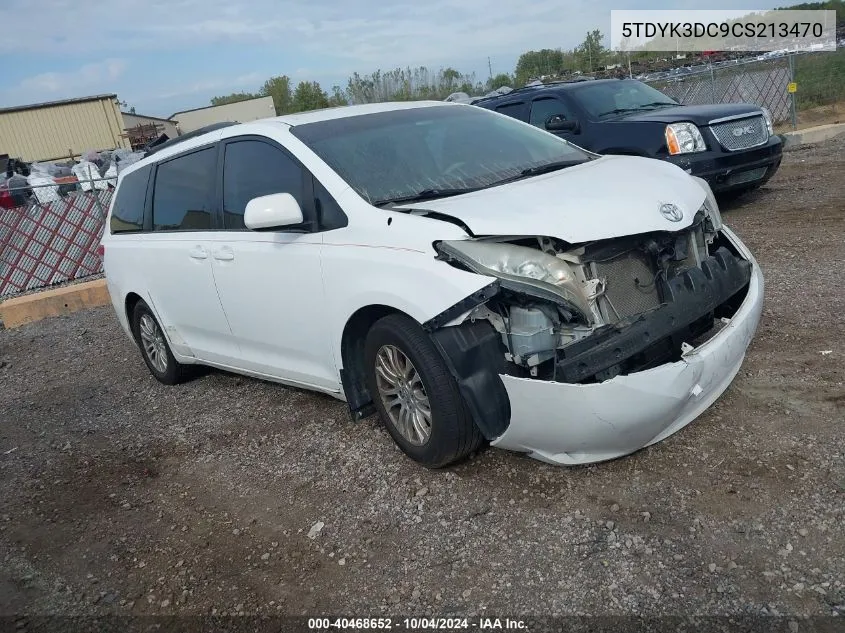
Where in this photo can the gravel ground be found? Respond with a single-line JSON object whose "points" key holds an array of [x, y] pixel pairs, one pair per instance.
{"points": [[228, 495]]}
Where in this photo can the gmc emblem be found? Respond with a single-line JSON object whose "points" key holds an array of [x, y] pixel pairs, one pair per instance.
{"points": [[745, 129]]}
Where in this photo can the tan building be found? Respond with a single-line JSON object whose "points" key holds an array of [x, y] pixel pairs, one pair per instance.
{"points": [[239, 112], [59, 129], [164, 126]]}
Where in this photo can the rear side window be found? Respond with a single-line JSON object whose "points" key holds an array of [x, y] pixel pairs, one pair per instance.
{"points": [[515, 110], [252, 169], [128, 210], [184, 191]]}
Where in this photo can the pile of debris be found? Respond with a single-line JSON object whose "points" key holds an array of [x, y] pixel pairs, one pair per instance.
{"points": [[22, 183], [462, 97]]}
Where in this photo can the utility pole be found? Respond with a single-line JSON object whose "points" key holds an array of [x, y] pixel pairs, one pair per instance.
{"points": [[490, 68]]}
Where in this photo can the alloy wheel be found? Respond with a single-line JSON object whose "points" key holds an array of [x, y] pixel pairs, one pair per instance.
{"points": [[153, 343], [403, 394]]}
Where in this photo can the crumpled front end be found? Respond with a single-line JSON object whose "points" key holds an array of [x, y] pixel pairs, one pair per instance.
{"points": [[588, 352], [565, 423]]}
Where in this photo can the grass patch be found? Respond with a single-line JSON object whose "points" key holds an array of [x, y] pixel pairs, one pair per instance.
{"points": [[820, 78]]}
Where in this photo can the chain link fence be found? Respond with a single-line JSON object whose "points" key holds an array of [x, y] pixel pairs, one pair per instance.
{"points": [[818, 77], [42, 244]]}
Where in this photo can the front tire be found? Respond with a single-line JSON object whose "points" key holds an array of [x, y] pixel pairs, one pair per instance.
{"points": [[154, 347], [416, 396]]}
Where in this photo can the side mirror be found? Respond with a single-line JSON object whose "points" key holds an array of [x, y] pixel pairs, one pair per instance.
{"points": [[271, 212], [559, 123]]}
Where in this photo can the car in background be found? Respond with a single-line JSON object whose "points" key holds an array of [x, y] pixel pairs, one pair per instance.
{"points": [[467, 276], [731, 146]]}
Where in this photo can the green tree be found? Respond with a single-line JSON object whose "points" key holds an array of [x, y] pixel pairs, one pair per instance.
{"points": [[338, 97], [502, 79], [536, 64], [309, 96], [279, 88], [232, 98], [449, 81], [591, 52], [406, 84]]}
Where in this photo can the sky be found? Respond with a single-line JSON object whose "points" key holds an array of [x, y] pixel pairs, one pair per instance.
{"points": [[163, 56]]}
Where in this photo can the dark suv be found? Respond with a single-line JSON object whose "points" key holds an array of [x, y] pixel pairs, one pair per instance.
{"points": [[732, 146]]}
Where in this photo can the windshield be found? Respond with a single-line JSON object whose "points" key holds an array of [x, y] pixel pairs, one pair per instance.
{"points": [[615, 97], [436, 151]]}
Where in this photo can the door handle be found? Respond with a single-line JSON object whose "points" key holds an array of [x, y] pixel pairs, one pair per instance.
{"points": [[198, 252], [224, 254]]}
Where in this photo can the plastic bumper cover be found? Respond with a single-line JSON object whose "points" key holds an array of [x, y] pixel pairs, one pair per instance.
{"points": [[583, 423]]}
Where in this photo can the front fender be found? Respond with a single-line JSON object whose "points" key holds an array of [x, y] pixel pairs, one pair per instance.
{"points": [[410, 281]]}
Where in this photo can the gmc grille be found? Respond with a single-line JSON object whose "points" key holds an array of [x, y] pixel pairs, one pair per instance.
{"points": [[741, 133]]}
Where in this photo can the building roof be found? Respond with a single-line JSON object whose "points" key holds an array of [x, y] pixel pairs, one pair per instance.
{"points": [[218, 106], [49, 104], [152, 118]]}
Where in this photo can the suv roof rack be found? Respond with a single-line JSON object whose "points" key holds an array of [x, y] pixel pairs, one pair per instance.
{"points": [[536, 87], [189, 135]]}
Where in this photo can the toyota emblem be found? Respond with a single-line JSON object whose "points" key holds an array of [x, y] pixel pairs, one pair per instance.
{"points": [[671, 212]]}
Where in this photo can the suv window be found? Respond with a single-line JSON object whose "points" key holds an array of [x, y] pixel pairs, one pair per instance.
{"points": [[184, 191], [128, 211], [515, 110], [609, 98], [542, 109], [252, 169]]}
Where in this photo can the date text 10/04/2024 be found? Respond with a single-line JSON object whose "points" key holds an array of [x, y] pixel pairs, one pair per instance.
{"points": [[416, 624]]}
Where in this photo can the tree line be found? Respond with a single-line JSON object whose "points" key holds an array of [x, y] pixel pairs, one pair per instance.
{"points": [[421, 83], [411, 84]]}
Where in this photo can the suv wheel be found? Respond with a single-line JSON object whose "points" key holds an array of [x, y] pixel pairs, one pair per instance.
{"points": [[154, 347], [416, 396]]}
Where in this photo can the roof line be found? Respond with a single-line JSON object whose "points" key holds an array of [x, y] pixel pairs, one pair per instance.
{"points": [[218, 106], [144, 116], [47, 104]]}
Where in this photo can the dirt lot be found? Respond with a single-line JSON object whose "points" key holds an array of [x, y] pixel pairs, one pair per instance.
{"points": [[120, 495]]}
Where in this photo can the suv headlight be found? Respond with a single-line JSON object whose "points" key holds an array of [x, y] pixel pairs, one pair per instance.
{"points": [[519, 264], [684, 138], [770, 125]]}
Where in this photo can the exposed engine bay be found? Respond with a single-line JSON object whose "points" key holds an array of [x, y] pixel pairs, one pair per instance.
{"points": [[582, 313]]}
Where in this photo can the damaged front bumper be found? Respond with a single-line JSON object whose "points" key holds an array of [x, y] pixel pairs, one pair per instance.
{"points": [[564, 423]]}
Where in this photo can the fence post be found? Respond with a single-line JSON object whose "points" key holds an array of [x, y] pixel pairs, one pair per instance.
{"points": [[792, 94], [712, 83], [96, 195]]}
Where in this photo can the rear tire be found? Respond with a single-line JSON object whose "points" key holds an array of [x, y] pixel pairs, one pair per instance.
{"points": [[155, 350], [405, 372]]}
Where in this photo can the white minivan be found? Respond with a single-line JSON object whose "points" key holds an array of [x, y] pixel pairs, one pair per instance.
{"points": [[468, 277]]}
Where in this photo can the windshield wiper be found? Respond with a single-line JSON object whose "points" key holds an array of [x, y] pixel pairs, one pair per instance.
{"points": [[425, 194], [655, 104], [548, 167], [433, 194], [638, 108], [540, 169], [618, 111]]}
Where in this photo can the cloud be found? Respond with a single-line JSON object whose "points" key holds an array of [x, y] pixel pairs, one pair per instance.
{"points": [[228, 84], [179, 48], [90, 77], [363, 30]]}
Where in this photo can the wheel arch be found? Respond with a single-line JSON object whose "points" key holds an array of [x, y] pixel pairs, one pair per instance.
{"points": [[352, 356], [129, 303]]}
